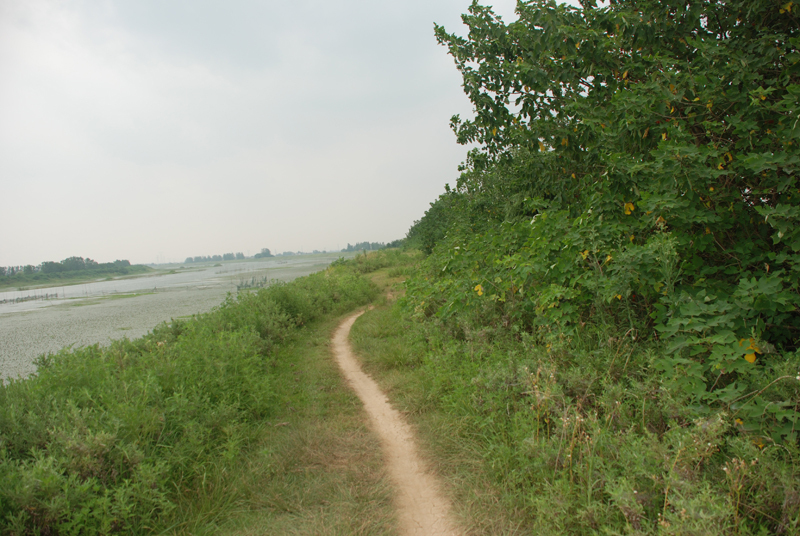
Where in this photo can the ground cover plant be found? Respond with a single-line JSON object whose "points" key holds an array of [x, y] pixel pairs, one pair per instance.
{"points": [[611, 295], [148, 435]]}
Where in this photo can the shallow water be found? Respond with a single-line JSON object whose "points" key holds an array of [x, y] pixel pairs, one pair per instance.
{"points": [[103, 311]]}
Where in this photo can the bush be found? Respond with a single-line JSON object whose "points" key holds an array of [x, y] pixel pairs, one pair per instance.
{"points": [[112, 440]]}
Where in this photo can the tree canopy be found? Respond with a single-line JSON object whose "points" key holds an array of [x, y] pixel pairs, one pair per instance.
{"points": [[638, 161]]}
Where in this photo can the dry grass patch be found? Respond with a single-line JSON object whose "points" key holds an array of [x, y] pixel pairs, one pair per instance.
{"points": [[319, 470]]}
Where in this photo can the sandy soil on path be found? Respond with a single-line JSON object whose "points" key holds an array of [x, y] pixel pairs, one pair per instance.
{"points": [[422, 510]]}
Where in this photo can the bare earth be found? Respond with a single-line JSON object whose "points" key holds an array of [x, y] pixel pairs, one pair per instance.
{"points": [[422, 509]]}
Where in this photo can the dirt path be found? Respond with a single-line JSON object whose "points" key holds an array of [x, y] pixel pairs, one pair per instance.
{"points": [[422, 510]]}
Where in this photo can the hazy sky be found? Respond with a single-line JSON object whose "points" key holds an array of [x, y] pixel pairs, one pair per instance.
{"points": [[153, 130]]}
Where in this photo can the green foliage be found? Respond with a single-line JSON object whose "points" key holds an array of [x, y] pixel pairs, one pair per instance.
{"points": [[611, 296], [71, 269], [577, 433], [636, 167], [124, 439]]}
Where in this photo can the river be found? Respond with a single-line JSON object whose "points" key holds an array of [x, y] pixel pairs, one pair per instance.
{"points": [[35, 322]]}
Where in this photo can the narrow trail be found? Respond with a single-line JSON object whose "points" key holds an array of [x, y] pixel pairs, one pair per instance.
{"points": [[422, 510]]}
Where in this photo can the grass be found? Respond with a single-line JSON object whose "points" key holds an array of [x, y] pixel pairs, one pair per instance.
{"points": [[576, 436], [183, 429], [392, 353], [318, 468]]}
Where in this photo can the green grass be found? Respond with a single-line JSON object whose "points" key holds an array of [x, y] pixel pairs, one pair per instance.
{"points": [[574, 437], [318, 468], [178, 431]]}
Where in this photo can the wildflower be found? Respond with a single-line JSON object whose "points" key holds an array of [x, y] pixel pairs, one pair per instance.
{"points": [[479, 289], [629, 208], [750, 357]]}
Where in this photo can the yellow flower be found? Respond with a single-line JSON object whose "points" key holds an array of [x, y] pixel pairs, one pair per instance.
{"points": [[608, 258], [750, 357], [541, 146], [629, 208], [479, 290], [739, 422], [664, 136], [585, 254], [618, 296]]}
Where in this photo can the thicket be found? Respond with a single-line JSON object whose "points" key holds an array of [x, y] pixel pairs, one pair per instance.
{"points": [[126, 439], [628, 230]]}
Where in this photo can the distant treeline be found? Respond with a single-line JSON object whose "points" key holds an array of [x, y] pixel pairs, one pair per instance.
{"points": [[215, 258], [265, 252], [372, 246], [71, 267], [227, 257]]}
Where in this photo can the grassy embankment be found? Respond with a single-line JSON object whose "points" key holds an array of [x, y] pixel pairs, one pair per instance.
{"points": [[236, 418], [574, 435]]}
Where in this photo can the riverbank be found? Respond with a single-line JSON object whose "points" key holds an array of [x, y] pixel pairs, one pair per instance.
{"points": [[160, 434], [101, 312]]}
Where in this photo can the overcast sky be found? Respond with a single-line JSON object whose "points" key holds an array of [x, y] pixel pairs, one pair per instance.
{"points": [[153, 130]]}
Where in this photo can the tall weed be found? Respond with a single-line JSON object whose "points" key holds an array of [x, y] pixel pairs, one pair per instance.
{"points": [[146, 434]]}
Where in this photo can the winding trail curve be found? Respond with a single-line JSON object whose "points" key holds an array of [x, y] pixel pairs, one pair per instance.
{"points": [[422, 509]]}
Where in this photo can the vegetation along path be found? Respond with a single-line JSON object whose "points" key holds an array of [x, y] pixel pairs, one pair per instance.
{"points": [[422, 510]]}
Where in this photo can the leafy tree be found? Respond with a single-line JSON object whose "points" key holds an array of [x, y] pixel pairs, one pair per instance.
{"points": [[637, 160], [73, 264]]}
